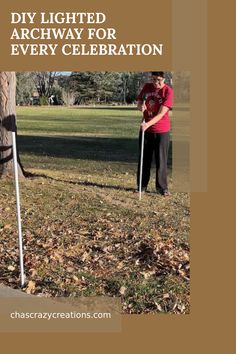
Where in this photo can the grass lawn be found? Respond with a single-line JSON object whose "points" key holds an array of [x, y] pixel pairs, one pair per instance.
{"points": [[85, 231]]}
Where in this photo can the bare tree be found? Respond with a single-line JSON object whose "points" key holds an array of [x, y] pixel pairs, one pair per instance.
{"points": [[68, 97], [44, 81], [7, 123]]}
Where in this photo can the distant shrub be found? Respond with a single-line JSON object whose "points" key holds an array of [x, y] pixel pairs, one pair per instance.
{"points": [[43, 101]]}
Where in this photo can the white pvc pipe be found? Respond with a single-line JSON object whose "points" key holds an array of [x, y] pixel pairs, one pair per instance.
{"points": [[18, 212], [141, 166]]}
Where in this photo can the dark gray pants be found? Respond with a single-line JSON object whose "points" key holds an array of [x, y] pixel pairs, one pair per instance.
{"points": [[159, 144]]}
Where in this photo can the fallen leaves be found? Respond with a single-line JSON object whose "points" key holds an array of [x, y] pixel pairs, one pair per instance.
{"points": [[8, 226], [76, 245], [147, 275], [158, 306], [30, 289], [122, 290], [11, 268], [70, 269]]}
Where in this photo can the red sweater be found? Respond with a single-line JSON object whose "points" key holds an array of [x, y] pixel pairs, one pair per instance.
{"points": [[155, 98]]}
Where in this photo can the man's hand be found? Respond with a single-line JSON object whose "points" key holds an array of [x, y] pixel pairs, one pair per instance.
{"points": [[163, 110], [144, 126], [141, 106]]}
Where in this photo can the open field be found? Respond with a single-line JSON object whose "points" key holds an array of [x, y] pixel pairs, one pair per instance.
{"points": [[85, 232]]}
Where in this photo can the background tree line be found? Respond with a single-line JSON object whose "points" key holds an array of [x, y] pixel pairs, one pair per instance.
{"points": [[56, 88]]}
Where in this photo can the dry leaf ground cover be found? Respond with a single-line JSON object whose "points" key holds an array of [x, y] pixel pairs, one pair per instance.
{"points": [[85, 231]]}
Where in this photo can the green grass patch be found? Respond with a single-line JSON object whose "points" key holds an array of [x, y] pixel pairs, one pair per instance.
{"points": [[85, 231]]}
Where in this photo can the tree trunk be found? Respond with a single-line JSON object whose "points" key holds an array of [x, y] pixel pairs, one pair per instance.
{"points": [[7, 123]]}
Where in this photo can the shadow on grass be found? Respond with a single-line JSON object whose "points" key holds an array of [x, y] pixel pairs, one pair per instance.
{"points": [[80, 183], [83, 148], [83, 183], [116, 108], [132, 108]]}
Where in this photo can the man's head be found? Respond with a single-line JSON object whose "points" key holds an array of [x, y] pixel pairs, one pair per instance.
{"points": [[158, 78]]}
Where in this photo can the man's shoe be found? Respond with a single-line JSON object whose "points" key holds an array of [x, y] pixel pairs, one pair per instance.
{"points": [[164, 192]]}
